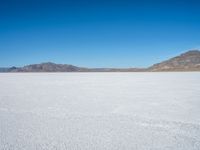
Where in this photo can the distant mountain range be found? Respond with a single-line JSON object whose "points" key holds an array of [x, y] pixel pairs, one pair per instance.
{"points": [[189, 61]]}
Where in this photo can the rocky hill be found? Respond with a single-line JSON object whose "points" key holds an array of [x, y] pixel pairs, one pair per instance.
{"points": [[189, 61], [52, 67], [48, 67]]}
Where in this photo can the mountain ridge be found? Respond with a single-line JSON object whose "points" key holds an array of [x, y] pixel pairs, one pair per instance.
{"points": [[188, 61]]}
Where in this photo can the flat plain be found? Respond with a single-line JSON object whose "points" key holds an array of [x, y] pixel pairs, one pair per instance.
{"points": [[100, 111]]}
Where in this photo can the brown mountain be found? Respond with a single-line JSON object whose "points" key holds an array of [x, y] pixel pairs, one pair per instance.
{"points": [[52, 67], [48, 67], [189, 61]]}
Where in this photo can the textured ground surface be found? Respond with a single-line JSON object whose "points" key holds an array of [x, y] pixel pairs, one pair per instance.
{"points": [[97, 111]]}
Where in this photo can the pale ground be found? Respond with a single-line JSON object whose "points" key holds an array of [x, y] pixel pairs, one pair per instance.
{"points": [[100, 111]]}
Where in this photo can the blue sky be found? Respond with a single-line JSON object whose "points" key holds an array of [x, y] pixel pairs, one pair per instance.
{"points": [[97, 33]]}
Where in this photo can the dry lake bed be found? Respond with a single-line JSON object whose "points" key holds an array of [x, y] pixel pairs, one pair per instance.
{"points": [[100, 111]]}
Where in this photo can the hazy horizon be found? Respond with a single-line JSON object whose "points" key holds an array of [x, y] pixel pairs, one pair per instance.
{"points": [[97, 67]]}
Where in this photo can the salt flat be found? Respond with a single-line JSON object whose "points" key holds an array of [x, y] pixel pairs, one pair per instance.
{"points": [[100, 111]]}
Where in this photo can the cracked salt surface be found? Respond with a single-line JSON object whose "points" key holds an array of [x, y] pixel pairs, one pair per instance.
{"points": [[97, 111]]}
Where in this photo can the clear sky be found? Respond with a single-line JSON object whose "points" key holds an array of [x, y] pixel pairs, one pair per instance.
{"points": [[97, 33]]}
